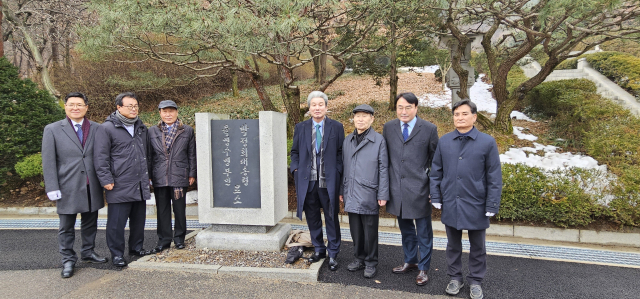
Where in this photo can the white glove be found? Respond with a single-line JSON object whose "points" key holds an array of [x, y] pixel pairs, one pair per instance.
{"points": [[437, 205], [489, 214], [54, 195]]}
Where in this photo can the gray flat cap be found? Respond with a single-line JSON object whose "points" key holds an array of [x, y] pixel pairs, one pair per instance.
{"points": [[167, 104], [363, 108]]}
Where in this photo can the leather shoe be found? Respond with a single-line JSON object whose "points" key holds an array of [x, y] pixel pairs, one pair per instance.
{"points": [[333, 264], [119, 261], [317, 256], [422, 278], [370, 272], [140, 252], [159, 249], [94, 258], [404, 268], [67, 269], [180, 246]]}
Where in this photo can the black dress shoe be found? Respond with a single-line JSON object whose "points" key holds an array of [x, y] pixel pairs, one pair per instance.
{"points": [[119, 261], [67, 269], [159, 249], [333, 264], [317, 256], [94, 258], [140, 252], [180, 246]]}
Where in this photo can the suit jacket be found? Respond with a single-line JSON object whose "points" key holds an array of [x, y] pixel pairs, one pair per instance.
{"points": [[466, 177], [66, 166], [409, 163], [301, 159]]}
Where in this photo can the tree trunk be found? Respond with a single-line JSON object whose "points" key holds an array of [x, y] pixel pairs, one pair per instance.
{"points": [[316, 65], [41, 68], [393, 73], [258, 84], [290, 97], [55, 47], [322, 61], [234, 83]]}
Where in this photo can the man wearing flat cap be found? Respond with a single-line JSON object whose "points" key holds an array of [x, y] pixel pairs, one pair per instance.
{"points": [[173, 159], [365, 188], [316, 165]]}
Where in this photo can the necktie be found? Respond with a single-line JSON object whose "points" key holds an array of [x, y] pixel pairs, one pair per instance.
{"points": [[318, 138], [79, 132], [405, 132]]}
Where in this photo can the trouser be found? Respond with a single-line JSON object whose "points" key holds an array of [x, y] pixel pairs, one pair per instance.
{"points": [[477, 255], [417, 236], [165, 196], [364, 233], [67, 235], [117, 216], [316, 199]]}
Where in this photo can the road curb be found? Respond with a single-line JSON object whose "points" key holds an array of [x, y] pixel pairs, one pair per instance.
{"points": [[577, 236], [296, 275]]}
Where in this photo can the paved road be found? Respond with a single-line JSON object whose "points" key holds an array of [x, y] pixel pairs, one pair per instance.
{"points": [[30, 268]]}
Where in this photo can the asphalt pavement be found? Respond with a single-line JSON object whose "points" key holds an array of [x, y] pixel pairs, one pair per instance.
{"points": [[30, 268]]}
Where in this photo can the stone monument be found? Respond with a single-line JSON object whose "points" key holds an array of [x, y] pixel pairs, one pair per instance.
{"points": [[452, 79], [242, 181]]}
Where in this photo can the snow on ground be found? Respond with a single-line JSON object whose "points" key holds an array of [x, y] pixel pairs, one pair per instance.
{"points": [[524, 136], [426, 69], [192, 197], [551, 160], [479, 94]]}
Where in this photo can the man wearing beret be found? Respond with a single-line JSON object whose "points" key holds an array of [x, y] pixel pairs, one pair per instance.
{"points": [[173, 160], [365, 188]]}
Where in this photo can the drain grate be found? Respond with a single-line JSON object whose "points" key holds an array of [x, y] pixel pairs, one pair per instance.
{"points": [[499, 248]]}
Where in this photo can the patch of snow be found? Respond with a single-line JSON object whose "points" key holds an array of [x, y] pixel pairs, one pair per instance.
{"points": [[521, 116], [192, 197], [551, 160], [524, 136]]}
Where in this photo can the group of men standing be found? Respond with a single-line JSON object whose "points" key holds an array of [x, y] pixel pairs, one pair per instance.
{"points": [[408, 169], [85, 162]]}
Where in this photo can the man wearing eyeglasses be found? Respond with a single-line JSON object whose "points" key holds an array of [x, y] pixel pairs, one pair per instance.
{"points": [[121, 158], [70, 180]]}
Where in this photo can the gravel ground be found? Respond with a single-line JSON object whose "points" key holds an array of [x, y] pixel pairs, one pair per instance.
{"points": [[231, 258]]}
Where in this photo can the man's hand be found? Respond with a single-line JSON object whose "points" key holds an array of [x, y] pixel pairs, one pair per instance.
{"points": [[382, 203], [489, 214], [437, 205], [341, 198], [109, 186], [54, 195], [191, 180]]}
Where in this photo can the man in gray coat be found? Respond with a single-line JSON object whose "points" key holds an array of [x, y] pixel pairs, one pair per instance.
{"points": [[173, 156], [121, 158], [466, 183], [70, 180], [365, 188], [411, 142]]}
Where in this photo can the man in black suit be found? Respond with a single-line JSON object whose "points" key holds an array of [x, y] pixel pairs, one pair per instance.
{"points": [[70, 180], [316, 165]]}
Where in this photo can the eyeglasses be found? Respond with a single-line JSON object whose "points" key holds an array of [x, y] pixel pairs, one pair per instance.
{"points": [[131, 107], [75, 105], [407, 108]]}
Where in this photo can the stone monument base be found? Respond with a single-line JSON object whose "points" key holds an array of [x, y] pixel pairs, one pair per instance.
{"points": [[244, 237]]}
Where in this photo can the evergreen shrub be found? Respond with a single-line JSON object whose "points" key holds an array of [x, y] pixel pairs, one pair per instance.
{"points": [[30, 166], [26, 110]]}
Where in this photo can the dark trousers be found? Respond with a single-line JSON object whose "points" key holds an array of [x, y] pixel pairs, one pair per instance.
{"points": [[417, 236], [67, 235], [316, 199], [364, 232], [165, 196], [477, 255], [117, 216]]}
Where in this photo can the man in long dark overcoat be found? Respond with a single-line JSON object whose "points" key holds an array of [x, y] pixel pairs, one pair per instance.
{"points": [[411, 143], [70, 180], [316, 165], [466, 182], [122, 161]]}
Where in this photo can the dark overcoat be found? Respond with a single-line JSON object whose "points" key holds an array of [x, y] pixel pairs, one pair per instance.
{"points": [[123, 160], [366, 175], [301, 159], [409, 163], [66, 165], [466, 177], [173, 169]]}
